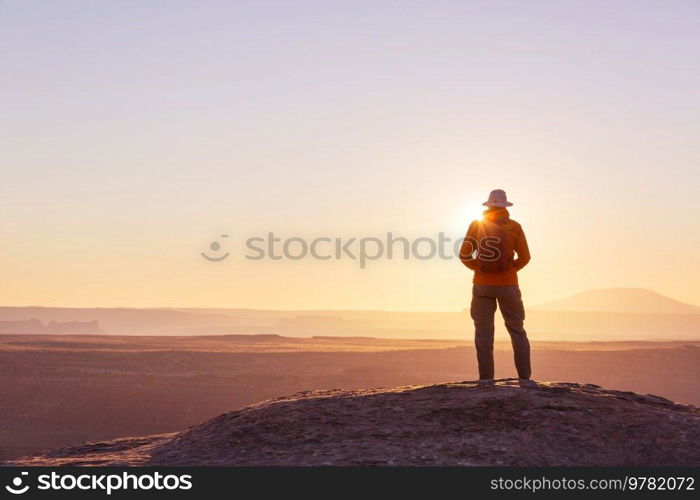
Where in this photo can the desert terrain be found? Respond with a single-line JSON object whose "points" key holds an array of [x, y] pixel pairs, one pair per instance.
{"points": [[58, 390]]}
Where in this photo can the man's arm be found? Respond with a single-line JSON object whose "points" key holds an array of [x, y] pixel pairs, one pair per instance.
{"points": [[522, 250], [467, 249]]}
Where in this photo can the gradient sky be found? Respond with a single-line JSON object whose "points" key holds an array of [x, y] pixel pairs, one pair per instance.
{"points": [[134, 133]]}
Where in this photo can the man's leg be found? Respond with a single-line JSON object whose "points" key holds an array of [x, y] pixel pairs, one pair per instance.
{"points": [[482, 311], [511, 304]]}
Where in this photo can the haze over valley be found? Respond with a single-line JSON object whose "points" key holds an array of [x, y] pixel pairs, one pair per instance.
{"points": [[633, 315], [90, 374]]}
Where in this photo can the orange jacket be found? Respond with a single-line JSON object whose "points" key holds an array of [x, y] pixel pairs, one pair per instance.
{"points": [[518, 242]]}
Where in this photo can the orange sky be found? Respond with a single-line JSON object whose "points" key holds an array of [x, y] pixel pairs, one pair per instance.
{"points": [[133, 137]]}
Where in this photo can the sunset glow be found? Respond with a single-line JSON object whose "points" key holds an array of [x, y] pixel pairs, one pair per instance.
{"points": [[118, 175]]}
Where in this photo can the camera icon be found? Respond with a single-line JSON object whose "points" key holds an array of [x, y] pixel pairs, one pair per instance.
{"points": [[16, 487]]}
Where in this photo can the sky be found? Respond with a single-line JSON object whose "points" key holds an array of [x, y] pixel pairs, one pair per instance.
{"points": [[133, 134]]}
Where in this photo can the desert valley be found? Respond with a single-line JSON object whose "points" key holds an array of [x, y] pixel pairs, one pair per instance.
{"points": [[99, 382]]}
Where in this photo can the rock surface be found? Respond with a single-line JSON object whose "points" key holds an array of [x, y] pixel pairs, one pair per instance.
{"points": [[544, 424]]}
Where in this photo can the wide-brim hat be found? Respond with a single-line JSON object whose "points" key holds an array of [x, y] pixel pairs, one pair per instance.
{"points": [[497, 198]]}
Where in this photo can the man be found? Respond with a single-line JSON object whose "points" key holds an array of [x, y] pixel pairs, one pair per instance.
{"points": [[488, 249]]}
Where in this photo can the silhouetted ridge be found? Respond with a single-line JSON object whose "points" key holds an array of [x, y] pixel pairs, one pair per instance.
{"points": [[622, 300]]}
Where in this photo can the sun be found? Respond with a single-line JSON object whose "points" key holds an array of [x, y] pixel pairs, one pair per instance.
{"points": [[469, 211]]}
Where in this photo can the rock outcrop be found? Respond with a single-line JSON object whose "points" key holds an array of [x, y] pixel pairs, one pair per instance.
{"points": [[544, 424]]}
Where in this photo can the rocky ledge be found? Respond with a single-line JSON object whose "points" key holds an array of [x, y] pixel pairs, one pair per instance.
{"points": [[462, 423]]}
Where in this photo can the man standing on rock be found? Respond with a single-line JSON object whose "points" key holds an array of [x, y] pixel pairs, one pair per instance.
{"points": [[488, 250]]}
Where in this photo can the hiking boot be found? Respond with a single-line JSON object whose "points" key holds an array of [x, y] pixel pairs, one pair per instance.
{"points": [[526, 382]]}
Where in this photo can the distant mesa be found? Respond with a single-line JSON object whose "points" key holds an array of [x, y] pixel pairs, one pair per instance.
{"points": [[30, 326], [74, 328], [624, 300], [320, 322], [453, 424], [36, 327]]}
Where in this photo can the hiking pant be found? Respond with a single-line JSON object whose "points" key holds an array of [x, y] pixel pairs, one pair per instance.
{"points": [[483, 309]]}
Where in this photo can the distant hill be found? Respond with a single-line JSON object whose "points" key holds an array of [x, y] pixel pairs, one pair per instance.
{"points": [[623, 300], [36, 327], [549, 322], [457, 424], [121, 320]]}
